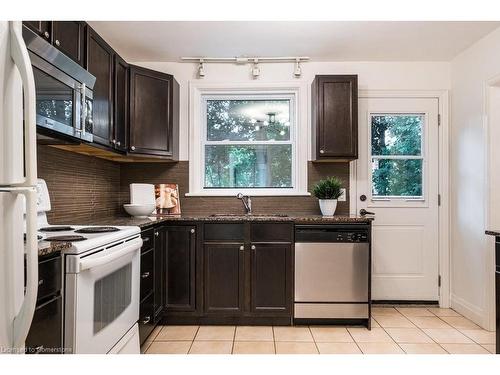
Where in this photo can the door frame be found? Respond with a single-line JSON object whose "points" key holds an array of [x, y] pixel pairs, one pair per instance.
{"points": [[491, 153], [444, 177]]}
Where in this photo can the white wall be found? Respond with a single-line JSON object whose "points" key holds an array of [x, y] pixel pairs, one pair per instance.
{"points": [[472, 252], [372, 75]]}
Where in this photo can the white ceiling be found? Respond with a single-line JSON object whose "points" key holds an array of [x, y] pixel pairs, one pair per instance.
{"points": [[322, 41]]}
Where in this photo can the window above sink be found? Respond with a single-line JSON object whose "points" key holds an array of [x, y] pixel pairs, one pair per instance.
{"points": [[251, 139]]}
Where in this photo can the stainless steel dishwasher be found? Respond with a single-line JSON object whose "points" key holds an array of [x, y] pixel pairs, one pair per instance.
{"points": [[332, 274]]}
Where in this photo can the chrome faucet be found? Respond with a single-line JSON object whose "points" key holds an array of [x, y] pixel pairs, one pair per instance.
{"points": [[247, 202]]}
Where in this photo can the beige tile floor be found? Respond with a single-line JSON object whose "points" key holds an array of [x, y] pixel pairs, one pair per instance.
{"points": [[395, 330]]}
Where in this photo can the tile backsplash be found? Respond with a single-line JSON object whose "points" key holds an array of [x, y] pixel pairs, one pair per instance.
{"points": [[83, 187], [80, 187]]}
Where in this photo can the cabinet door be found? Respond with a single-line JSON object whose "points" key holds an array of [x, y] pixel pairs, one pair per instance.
{"points": [[42, 28], [497, 286], [100, 64], [335, 117], [158, 252], [151, 117], [271, 275], [120, 124], [180, 268], [69, 38], [224, 279]]}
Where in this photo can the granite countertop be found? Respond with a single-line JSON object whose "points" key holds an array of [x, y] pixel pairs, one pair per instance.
{"points": [[47, 248], [298, 219], [493, 232]]}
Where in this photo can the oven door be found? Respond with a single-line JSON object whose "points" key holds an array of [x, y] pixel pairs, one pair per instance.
{"points": [[102, 298]]}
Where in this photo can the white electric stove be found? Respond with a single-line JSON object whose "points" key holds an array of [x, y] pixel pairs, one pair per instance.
{"points": [[101, 283]]}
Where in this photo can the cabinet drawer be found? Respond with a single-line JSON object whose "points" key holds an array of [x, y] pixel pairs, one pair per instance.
{"points": [[147, 267], [45, 335], [275, 232], [224, 232], [146, 313], [147, 240], [49, 277]]}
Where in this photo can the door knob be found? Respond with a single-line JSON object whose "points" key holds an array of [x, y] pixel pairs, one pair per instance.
{"points": [[362, 197], [363, 212]]}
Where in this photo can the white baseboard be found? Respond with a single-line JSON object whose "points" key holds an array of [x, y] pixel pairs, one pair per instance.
{"points": [[469, 311]]}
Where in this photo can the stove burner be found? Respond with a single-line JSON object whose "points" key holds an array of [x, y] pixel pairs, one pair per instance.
{"points": [[65, 238], [56, 228], [97, 230]]}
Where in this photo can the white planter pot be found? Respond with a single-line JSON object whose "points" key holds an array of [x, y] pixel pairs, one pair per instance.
{"points": [[328, 206]]}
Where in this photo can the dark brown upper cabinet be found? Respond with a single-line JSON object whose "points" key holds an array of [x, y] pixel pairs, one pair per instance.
{"points": [[66, 36], [69, 38], [120, 123], [42, 28], [99, 62], [335, 117], [154, 113]]}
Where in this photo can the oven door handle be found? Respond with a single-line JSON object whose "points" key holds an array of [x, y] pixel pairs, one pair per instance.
{"points": [[89, 263]]}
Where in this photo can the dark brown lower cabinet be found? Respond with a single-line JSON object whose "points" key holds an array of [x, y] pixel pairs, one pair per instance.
{"points": [[224, 278], [271, 279], [180, 271]]}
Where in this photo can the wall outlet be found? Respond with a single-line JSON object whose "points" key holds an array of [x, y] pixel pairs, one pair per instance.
{"points": [[342, 198]]}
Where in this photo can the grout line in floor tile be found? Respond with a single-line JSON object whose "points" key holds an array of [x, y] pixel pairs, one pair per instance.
{"points": [[234, 339], [192, 341], [314, 340], [387, 333], [274, 341], [352, 337]]}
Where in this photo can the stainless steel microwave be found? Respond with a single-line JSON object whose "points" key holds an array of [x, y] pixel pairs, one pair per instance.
{"points": [[64, 96]]}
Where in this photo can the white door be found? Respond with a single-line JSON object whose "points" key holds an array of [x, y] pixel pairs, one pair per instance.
{"points": [[397, 179]]}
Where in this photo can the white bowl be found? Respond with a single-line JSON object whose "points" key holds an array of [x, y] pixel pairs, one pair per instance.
{"points": [[139, 210]]}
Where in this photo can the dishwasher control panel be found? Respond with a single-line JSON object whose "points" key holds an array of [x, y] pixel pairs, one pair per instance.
{"points": [[331, 233]]}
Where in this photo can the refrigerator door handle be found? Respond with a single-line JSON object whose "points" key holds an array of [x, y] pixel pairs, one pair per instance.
{"points": [[20, 56], [22, 321]]}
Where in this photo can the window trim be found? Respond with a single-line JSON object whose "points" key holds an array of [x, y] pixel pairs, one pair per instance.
{"points": [[419, 200], [199, 91]]}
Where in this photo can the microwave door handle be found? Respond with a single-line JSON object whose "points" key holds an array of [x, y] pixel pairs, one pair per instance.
{"points": [[88, 263], [83, 108], [20, 56]]}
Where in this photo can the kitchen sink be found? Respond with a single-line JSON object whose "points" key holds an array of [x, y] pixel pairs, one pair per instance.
{"points": [[249, 215]]}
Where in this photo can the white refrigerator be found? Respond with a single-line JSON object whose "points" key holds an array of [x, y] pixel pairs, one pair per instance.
{"points": [[18, 256]]}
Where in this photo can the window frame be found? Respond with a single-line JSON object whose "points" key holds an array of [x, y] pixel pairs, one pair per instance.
{"points": [[422, 199], [296, 93]]}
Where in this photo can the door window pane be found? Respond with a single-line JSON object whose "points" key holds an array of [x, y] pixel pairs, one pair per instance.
{"points": [[397, 134], [396, 155], [248, 120], [253, 166], [397, 178]]}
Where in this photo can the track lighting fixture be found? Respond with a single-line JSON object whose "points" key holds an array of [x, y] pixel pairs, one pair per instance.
{"points": [[201, 69], [298, 70], [255, 69]]}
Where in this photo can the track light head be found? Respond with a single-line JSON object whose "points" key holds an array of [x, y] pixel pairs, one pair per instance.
{"points": [[255, 69], [297, 72], [201, 69]]}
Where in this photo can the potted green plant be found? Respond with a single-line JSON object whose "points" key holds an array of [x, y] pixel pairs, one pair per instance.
{"points": [[328, 191]]}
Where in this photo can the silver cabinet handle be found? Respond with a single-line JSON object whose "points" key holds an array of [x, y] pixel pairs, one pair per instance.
{"points": [[46, 34], [242, 247], [253, 247], [113, 141], [192, 230], [40, 282], [58, 43], [321, 151], [118, 143], [145, 275], [146, 320], [132, 148], [157, 234]]}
